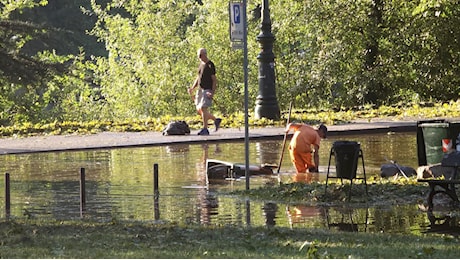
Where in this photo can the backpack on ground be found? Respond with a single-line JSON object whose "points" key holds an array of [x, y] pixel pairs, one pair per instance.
{"points": [[176, 128]]}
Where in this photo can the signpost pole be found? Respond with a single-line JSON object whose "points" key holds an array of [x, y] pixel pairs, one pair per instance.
{"points": [[246, 120], [238, 38]]}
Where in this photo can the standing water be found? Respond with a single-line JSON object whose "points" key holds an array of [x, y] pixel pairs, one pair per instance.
{"points": [[119, 186]]}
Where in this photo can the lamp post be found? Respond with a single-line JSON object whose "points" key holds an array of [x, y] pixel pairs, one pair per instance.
{"points": [[266, 102]]}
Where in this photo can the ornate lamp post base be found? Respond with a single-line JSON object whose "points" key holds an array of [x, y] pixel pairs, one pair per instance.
{"points": [[267, 107]]}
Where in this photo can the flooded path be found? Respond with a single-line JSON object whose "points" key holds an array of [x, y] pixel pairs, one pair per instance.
{"points": [[119, 184]]}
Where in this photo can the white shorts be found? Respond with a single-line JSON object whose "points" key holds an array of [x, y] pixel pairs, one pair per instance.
{"points": [[202, 99]]}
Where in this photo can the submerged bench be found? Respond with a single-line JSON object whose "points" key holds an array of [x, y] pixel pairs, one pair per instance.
{"points": [[221, 170], [447, 186]]}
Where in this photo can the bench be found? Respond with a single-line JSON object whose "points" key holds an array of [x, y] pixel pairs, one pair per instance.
{"points": [[447, 187], [220, 170]]}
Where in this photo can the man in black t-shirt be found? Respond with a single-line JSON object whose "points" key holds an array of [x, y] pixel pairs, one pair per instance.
{"points": [[207, 81]]}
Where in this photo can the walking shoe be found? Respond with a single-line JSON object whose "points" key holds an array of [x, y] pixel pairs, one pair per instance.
{"points": [[217, 123], [203, 131]]}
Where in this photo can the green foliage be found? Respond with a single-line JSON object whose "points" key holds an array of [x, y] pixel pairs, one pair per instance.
{"points": [[144, 73], [91, 121], [25, 82], [338, 55], [330, 55], [7, 7], [153, 59]]}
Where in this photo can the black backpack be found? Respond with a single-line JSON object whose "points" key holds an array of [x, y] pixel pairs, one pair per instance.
{"points": [[176, 128]]}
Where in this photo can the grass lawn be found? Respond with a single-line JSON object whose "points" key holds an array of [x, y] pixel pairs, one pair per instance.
{"points": [[35, 239]]}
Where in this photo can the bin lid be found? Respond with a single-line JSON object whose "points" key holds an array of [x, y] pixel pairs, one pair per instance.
{"points": [[446, 125], [339, 143]]}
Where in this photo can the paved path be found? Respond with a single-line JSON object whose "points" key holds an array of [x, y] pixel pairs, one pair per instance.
{"points": [[132, 139]]}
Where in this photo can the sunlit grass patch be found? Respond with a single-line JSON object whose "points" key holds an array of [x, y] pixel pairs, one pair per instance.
{"points": [[388, 191], [237, 120]]}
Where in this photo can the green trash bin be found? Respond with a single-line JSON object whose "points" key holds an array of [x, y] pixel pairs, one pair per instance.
{"points": [[433, 133], [346, 155]]}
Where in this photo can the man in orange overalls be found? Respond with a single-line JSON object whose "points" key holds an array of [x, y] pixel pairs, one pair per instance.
{"points": [[305, 141]]}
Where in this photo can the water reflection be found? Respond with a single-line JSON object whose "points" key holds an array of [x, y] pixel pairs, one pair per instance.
{"points": [[120, 185], [350, 219], [444, 224], [303, 214], [270, 210], [267, 152], [308, 177], [208, 202]]}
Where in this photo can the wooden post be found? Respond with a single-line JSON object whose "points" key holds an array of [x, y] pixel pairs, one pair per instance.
{"points": [[7, 196], [156, 193], [155, 179], [82, 192]]}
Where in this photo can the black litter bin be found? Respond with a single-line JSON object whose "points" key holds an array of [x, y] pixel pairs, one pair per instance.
{"points": [[346, 155], [429, 139]]}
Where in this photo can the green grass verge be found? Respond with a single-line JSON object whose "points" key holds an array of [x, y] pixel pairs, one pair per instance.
{"points": [[143, 240]]}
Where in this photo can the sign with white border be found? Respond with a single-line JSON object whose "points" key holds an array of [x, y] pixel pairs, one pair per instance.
{"points": [[236, 21]]}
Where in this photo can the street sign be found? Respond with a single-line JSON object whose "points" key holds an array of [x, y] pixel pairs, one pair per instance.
{"points": [[236, 21], [237, 45]]}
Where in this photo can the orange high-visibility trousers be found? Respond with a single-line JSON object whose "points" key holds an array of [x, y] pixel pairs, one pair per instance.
{"points": [[301, 160]]}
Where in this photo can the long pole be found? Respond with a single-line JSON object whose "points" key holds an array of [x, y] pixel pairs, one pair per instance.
{"points": [[285, 138], [246, 117]]}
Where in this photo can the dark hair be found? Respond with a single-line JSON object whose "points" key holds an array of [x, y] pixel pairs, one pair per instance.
{"points": [[323, 128]]}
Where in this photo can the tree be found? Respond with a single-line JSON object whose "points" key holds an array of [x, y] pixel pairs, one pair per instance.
{"points": [[333, 54], [22, 77], [436, 64], [15, 66], [40, 86], [348, 53], [152, 58]]}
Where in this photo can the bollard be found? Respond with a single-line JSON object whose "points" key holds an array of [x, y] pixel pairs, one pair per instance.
{"points": [[82, 192], [155, 179], [7, 196], [156, 193]]}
